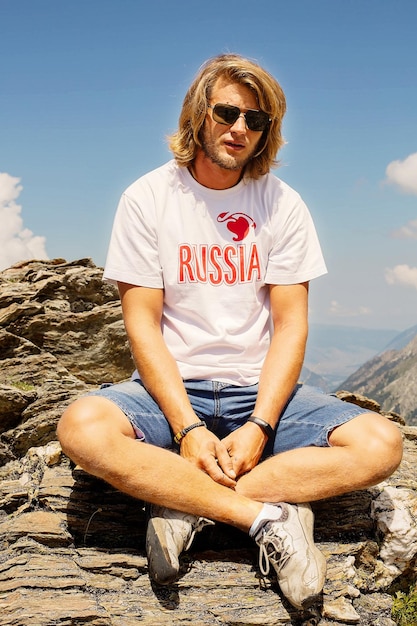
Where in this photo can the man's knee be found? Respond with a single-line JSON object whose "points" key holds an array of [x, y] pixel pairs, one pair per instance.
{"points": [[76, 424], [385, 445], [376, 443], [89, 421]]}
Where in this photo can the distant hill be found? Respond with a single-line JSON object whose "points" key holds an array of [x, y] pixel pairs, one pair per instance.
{"points": [[401, 340], [335, 352], [310, 378], [391, 378]]}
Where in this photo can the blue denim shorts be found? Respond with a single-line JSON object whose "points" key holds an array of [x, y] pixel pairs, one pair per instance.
{"points": [[307, 420]]}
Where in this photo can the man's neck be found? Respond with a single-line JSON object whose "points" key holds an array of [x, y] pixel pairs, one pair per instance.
{"points": [[213, 176]]}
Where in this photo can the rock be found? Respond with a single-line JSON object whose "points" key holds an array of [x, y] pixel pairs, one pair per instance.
{"points": [[72, 548], [62, 333], [395, 513]]}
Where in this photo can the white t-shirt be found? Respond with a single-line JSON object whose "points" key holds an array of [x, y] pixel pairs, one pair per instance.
{"points": [[214, 252]]}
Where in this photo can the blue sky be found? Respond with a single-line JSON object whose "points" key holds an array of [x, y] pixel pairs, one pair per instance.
{"points": [[89, 89]]}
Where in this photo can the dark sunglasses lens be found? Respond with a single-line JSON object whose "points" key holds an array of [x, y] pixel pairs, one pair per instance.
{"points": [[225, 114], [257, 120]]}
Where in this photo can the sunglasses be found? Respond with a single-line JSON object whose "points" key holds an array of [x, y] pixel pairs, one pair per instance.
{"points": [[228, 114]]}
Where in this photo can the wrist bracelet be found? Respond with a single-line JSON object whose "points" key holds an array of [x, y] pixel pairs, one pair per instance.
{"points": [[186, 430], [267, 428]]}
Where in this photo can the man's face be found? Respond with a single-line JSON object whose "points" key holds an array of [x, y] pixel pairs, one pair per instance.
{"points": [[230, 146]]}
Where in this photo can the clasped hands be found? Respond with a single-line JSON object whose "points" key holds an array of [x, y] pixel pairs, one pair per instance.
{"points": [[225, 460]]}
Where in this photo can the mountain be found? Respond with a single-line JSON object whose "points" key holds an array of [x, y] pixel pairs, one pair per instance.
{"points": [[315, 380], [401, 340], [390, 378], [335, 352]]}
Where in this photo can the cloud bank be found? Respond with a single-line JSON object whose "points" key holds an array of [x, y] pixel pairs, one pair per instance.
{"points": [[409, 231], [16, 242], [403, 173], [402, 275]]}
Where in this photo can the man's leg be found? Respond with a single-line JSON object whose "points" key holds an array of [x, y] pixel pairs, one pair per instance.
{"points": [[363, 452], [97, 435]]}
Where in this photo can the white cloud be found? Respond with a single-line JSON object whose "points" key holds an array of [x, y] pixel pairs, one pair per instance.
{"points": [[16, 242], [409, 231], [404, 173], [402, 275], [338, 310]]}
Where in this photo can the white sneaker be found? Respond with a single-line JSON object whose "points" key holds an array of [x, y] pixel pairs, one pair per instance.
{"points": [[169, 533], [288, 545]]}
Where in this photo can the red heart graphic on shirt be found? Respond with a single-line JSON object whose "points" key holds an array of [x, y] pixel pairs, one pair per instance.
{"points": [[239, 226], [237, 223]]}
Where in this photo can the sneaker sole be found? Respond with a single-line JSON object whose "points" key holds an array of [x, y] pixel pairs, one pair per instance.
{"points": [[161, 570]]}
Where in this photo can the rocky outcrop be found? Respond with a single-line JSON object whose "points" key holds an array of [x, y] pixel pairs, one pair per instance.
{"points": [[72, 548], [61, 332]]}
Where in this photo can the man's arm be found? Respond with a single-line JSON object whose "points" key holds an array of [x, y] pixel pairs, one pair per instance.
{"points": [[280, 372], [142, 312], [284, 360]]}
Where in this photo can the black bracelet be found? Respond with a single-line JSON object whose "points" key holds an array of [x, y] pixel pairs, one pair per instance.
{"points": [[186, 430], [267, 428]]}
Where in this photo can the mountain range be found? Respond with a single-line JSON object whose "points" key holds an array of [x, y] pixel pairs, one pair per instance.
{"points": [[381, 364], [335, 352]]}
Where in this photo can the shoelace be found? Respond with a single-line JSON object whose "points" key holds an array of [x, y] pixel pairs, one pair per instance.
{"points": [[269, 538], [201, 522]]}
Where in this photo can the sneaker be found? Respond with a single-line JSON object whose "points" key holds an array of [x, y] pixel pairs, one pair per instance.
{"points": [[169, 533], [288, 545]]}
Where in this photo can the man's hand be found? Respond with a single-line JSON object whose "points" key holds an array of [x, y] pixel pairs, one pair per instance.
{"points": [[202, 448], [245, 446]]}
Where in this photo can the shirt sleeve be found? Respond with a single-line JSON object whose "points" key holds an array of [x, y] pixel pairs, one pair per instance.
{"points": [[296, 254], [133, 251]]}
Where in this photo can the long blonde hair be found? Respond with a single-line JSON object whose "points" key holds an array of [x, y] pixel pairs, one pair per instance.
{"points": [[185, 142]]}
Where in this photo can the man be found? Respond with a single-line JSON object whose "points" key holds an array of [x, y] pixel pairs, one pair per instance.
{"points": [[213, 255]]}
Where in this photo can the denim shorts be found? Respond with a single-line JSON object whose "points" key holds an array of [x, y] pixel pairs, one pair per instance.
{"points": [[307, 420]]}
